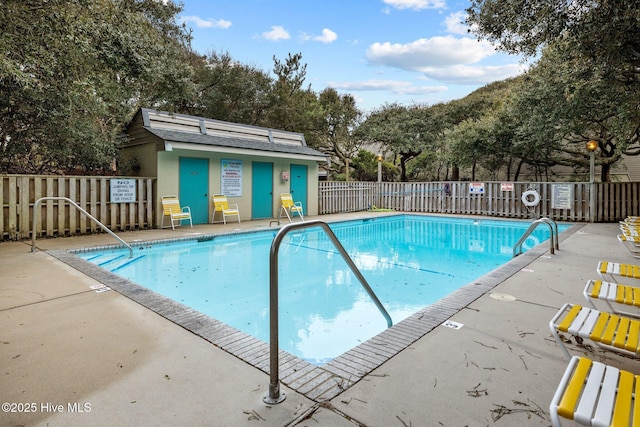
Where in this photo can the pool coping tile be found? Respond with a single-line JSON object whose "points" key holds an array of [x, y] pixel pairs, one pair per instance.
{"points": [[318, 383]]}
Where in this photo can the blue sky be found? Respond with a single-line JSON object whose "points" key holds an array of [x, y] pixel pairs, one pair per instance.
{"points": [[379, 51]]}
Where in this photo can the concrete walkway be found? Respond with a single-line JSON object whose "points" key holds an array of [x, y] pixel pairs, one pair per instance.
{"points": [[71, 356]]}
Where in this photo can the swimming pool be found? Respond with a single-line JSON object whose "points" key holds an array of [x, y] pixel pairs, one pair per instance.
{"points": [[410, 261]]}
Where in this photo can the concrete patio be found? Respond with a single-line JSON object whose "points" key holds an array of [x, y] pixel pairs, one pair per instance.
{"points": [[71, 356]]}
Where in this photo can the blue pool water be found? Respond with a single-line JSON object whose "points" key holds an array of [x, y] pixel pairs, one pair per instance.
{"points": [[410, 262]]}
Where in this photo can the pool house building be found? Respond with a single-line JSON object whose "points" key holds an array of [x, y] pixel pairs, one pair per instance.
{"points": [[195, 158]]}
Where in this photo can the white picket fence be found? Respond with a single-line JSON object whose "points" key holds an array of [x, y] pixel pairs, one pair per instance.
{"points": [[613, 201]]}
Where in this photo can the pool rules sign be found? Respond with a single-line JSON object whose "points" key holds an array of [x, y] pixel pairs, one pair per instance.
{"points": [[231, 177], [123, 190]]}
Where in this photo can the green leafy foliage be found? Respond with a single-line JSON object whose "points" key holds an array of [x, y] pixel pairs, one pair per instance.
{"points": [[72, 72]]}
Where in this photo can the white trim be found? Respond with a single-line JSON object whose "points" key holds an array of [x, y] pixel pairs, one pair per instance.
{"points": [[243, 151]]}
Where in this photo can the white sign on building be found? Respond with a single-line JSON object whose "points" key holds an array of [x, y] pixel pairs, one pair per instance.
{"points": [[231, 178]]}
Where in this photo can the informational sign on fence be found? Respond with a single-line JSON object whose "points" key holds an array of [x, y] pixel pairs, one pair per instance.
{"points": [[561, 196], [506, 186], [231, 177], [123, 191], [476, 188]]}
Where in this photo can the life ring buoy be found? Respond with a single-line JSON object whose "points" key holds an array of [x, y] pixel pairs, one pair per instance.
{"points": [[530, 198]]}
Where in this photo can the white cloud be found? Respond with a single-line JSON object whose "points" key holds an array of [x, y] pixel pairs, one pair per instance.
{"points": [[416, 4], [465, 74], [277, 33], [327, 36], [426, 53], [395, 86], [455, 23], [206, 23]]}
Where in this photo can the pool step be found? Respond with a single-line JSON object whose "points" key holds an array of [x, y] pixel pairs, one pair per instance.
{"points": [[127, 262], [105, 260], [113, 262]]}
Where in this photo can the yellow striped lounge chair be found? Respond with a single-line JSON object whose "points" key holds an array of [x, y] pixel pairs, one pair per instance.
{"points": [[615, 296], [594, 394], [606, 330], [608, 271], [630, 229], [632, 220], [171, 208], [631, 244]]}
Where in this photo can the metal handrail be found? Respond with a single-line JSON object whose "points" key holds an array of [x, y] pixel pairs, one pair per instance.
{"points": [[274, 396], [553, 238], [35, 217]]}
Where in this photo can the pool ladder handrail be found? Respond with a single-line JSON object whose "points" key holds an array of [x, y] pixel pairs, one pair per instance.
{"points": [[274, 396], [35, 217], [553, 239]]}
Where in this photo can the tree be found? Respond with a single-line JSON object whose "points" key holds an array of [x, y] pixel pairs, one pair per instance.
{"points": [[566, 100], [604, 30], [365, 167], [399, 130], [289, 102], [587, 83], [230, 91], [335, 118], [484, 102], [72, 72]]}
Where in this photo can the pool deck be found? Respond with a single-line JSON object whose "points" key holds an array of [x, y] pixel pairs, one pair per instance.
{"points": [[71, 356]]}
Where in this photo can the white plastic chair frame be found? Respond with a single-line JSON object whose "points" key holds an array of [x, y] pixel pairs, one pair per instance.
{"points": [[222, 205], [594, 394], [171, 208]]}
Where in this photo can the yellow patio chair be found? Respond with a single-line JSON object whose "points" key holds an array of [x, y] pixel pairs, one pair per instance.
{"points": [[220, 204], [608, 271], [614, 295], [606, 330], [171, 208], [289, 207], [594, 394]]}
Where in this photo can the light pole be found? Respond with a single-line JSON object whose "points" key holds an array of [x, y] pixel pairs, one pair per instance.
{"points": [[592, 146], [379, 158]]}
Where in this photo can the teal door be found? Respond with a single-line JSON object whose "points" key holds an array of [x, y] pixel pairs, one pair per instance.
{"points": [[194, 187], [298, 185], [261, 190]]}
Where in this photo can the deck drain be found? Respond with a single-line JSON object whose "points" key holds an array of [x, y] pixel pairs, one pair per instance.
{"points": [[502, 297], [453, 325]]}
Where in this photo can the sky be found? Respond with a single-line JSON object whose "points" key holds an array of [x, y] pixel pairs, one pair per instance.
{"points": [[379, 51]]}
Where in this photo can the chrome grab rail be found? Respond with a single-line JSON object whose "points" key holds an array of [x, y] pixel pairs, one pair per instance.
{"points": [[553, 238], [35, 217], [274, 396]]}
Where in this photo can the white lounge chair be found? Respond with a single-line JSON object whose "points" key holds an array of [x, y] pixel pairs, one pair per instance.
{"points": [[608, 271], [594, 394], [620, 299], [606, 330]]}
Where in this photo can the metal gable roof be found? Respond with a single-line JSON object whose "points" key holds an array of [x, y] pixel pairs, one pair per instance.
{"points": [[187, 132], [232, 142]]}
